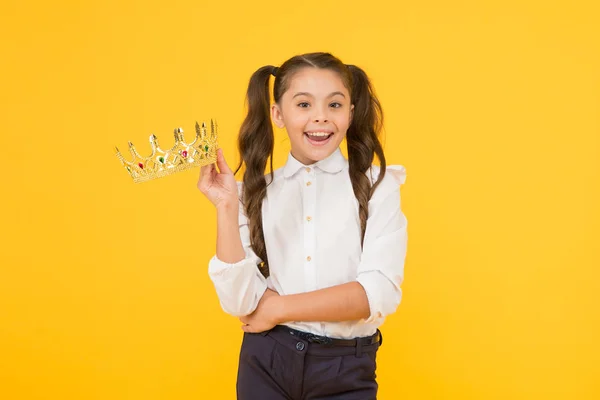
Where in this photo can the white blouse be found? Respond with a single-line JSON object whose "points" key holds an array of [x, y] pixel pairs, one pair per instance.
{"points": [[312, 236]]}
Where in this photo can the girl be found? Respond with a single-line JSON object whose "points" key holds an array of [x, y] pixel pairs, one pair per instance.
{"points": [[311, 256]]}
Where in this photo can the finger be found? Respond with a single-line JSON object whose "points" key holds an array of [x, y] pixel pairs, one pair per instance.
{"points": [[244, 320], [205, 175], [222, 164], [247, 328], [205, 169]]}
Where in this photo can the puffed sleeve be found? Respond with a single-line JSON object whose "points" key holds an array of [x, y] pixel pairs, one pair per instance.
{"points": [[240, 285], [381, 268]]}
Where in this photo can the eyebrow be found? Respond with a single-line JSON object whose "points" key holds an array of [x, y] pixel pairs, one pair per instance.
{"points": [[310, 95]]}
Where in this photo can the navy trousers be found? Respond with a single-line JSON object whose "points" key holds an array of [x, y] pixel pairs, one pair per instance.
{"points": [[278, 365]]}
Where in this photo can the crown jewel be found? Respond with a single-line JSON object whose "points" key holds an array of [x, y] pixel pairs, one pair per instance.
{"points": [[182, 156]]}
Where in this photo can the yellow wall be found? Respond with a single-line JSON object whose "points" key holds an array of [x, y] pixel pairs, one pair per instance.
{"points": [[493, 107]]}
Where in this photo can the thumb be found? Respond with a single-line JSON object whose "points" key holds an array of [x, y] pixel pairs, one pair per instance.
{"points": [[222, 164]]}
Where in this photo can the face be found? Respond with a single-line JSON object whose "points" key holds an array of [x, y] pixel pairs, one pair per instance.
{"points": [[316, 113]]}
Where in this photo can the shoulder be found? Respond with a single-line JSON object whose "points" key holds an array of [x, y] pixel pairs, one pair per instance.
{"points": [[395, 176], [395, 173]]}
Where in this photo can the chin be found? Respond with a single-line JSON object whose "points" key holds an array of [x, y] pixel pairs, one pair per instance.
{"points": [[317, 154], [321, 153]]}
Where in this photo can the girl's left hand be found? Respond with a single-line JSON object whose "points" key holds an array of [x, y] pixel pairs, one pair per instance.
{"points": [[266, 315]]}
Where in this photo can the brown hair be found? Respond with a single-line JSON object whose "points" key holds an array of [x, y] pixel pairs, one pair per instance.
{"points": [[256, 139]]}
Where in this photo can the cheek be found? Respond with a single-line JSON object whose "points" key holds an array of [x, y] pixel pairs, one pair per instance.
{"points": [[343, 121], [296, 123]]}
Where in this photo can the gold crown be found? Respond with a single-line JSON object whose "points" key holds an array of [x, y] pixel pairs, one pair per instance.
{"points": [[182, 156]]}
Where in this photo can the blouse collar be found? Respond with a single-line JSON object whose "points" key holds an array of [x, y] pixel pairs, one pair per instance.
{"points": [[333, 164]]}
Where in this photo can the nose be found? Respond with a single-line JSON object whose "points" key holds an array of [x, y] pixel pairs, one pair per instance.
{"points": [[320, 116]]}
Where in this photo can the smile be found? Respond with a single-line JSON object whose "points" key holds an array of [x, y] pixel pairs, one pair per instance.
{"points": [[318, 138]]}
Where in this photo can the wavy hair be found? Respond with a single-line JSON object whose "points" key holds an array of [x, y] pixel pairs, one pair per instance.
{"points": [[256, 138]]}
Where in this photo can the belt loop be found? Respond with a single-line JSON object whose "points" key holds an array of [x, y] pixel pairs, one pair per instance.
{"points": [[358, 347]]}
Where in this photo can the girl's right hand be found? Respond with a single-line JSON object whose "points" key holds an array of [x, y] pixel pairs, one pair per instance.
{"points": [[219, 187]]}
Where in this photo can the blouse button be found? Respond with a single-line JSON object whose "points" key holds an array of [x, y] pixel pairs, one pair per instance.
{"points": [[307, 169], [308, 258], [308, 183], [308, 218]]}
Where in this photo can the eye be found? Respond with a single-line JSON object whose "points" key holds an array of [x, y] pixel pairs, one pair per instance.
{"points": [[304, 104], [336, 105]]}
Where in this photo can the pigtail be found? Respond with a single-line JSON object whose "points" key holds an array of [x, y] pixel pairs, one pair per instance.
{"points": [[255, 144], [363, 142]]}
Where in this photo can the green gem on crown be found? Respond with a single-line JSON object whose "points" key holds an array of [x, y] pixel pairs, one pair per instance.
{"points": [[206, 147], [161, 159]]}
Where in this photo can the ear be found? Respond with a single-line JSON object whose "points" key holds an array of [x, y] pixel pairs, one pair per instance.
{"points": [[351, 112], [277, 116]]}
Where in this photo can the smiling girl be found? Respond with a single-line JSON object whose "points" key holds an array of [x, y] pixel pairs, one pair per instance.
{"points": [[310, 257]]}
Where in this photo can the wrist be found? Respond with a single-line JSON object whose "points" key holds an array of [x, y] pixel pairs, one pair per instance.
{"points": [[278, 307], [228, 207]]}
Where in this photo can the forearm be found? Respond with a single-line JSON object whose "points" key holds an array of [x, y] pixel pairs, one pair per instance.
{"points": [[237, 281], [346, 302], [229, 242]]}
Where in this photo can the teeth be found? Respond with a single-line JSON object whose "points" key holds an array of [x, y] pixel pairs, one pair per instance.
{"points": [[318, 133]]}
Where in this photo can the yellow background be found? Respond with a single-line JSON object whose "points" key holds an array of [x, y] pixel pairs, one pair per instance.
{"points": [[492, 107]]}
